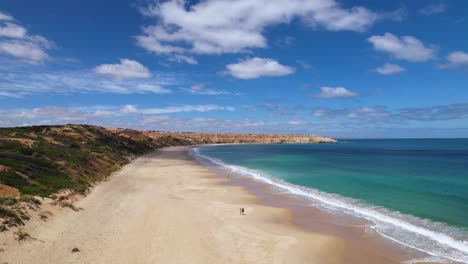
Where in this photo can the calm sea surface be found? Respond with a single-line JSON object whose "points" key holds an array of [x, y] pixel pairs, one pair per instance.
{"points": [[422, 183]]}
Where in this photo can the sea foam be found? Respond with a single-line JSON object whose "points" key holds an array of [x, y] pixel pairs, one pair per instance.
{"points": [[445, 244]]}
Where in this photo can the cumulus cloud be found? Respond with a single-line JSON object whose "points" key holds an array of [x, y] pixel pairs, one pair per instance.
{"points": [[405, 48], [224, 26], [389, 69], [15, 41], [26, 83], [256, 68], [334, 92], [126, 69], [433, 9], [455, 59]]}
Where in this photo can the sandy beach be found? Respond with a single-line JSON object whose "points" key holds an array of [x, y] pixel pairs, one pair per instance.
{"points": [[167, 208]]}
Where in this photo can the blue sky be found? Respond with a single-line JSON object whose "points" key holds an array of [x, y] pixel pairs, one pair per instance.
{"points": [[337, 68]]}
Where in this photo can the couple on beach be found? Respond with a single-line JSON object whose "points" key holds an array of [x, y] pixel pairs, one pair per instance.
{"points": [[242, 211]]}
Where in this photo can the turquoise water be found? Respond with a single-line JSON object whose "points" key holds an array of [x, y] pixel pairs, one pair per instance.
{"points": [[420, 182]]}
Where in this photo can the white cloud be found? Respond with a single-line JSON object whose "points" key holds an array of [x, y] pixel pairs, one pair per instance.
{"points": [[257, 67], [10, 30], [225, 26], [331, 92], [389, 69], [5, 17], [406, 48], [297, 123], [23, 50], [200, 124], [200, 89], [456, 59], [126, 69], [9, 94], [132, 109], [129, 109], [103, 113], [337, 19], [184, 108], [433, 9], [110, 116], [153, 88], [183, 58], [26, 83], [16, 42], [197, 87], [384, 115], [359, 114]]}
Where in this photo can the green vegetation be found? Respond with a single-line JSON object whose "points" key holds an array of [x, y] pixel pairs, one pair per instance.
{"points": [[8, 201], [42, 160], [11, 216], [29, 199], [71, 206]]}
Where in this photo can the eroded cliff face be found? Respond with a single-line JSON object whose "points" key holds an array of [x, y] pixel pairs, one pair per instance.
{"points": [[187, 138]]}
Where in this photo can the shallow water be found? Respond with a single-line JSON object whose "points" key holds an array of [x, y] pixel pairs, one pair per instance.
{"points": [[415, 191]]}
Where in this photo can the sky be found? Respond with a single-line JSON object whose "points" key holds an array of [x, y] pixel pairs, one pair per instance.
{"points": [[346, 69]]}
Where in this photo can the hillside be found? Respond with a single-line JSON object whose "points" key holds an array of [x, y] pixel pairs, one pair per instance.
{"points": [[41, 160]]}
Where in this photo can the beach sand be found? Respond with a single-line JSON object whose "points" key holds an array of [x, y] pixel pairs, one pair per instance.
{"points": [[166, 208]]}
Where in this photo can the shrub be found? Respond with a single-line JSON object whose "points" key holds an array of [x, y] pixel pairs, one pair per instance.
{"points": [[8, 201], [21, 235], [29, 199], [10, 215], [71, 206]]}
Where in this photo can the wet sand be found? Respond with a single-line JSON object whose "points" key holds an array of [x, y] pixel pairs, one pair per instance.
{"points": [[167, 208], [305, 215]]}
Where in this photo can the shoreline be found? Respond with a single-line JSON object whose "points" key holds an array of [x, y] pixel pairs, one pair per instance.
{"points": [[166, 203], [311, 218], [166, 208]]}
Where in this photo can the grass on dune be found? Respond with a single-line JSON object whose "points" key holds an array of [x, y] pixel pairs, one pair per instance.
{"points": [[42, 160]]}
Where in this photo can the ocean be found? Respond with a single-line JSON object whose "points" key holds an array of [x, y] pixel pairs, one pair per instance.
{"points": [[415, 191]]}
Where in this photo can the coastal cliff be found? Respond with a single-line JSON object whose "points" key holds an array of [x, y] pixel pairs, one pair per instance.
{"points": [[62, 161], [41, 160], [191, 138]]}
